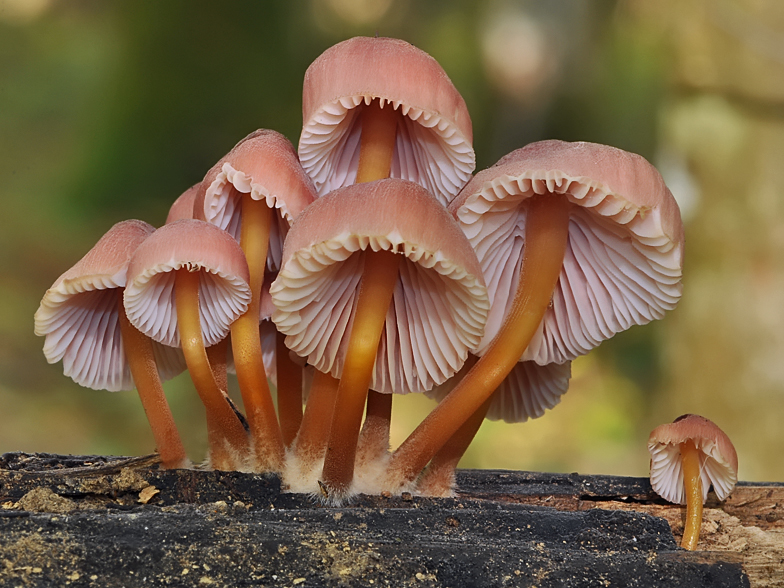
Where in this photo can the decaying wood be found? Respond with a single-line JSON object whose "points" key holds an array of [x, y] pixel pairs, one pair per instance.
{"points": [[105, 521]]}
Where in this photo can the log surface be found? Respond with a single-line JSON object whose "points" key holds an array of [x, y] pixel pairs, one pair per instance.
{"points": [[100, 521]]}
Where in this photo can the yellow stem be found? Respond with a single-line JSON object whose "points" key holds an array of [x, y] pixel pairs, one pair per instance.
{"points": [[289, 391], [223, 426], [693, 485], [246, 343], [546, 235], [375, 293], [144, 369]]}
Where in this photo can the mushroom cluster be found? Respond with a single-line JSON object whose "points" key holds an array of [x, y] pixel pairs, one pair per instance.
{"points": [[368, 263]]}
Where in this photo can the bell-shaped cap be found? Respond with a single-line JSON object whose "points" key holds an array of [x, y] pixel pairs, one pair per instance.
{"points": [[79, 315], [526, 393], [718, 459], [182, 208], [264, 165], [433, 145], [197, 246], [439, 303], [624, 255]]}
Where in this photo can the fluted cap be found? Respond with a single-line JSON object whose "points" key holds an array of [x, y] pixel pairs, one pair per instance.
{"points": [[433, 146], [194, 245], [718, 459], [439, 305], [624, 256], [79, 315]]}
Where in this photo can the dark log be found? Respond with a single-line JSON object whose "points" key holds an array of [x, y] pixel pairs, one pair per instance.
{"points": [[103, 521]]}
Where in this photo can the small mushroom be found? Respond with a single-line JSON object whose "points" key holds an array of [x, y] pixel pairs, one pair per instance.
{"points": [[182, 208], [687, 457], [84, 321], [187, 282]]}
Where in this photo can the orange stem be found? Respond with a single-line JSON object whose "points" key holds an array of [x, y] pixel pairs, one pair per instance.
{"points": [[439, 477], [246, 342], [144, 369], [311, 442], [373, 441], [375, 293], [693, 486], [289, 391], [227, 437], [546, 236]]}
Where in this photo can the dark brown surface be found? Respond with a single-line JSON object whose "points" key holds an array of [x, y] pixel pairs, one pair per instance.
{"points": [[123, 522]]}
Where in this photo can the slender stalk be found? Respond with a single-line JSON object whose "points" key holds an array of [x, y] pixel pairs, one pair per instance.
{"points": [[439, 477], [311, 442], [223, 426], [375, 294], [144, 369], [380, 274], [289, 391], [246, 343], [693, 485], [373, 441], [547, 230]]}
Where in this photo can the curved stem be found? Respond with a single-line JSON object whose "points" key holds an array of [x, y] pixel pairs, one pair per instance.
{"points": [[375, 293], [246, 342], [223, 426], [693, 485], [144, 369], [546, 235], [289, 391], [439, 477]]}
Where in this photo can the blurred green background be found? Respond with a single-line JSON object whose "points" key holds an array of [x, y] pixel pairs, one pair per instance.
{"points": [[109, 110]]}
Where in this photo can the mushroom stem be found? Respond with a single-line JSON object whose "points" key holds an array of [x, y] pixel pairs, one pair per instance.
{"points": [[223, 426], [289, 391], [377, 143], [311, 441], [546, 236], [439, 477], [693, 485], [373, 441], [246, 342], [144, 369], [375, 293]]}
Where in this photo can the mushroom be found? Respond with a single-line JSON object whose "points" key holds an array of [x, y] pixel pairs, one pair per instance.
{"points": [[83, 319], [254, 193], [415, 337], [376, 108], [577, 241], [687, 457], [187, 282]]}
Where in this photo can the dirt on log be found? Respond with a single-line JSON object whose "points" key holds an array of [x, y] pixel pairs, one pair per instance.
{"points": [[106, 521]]}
